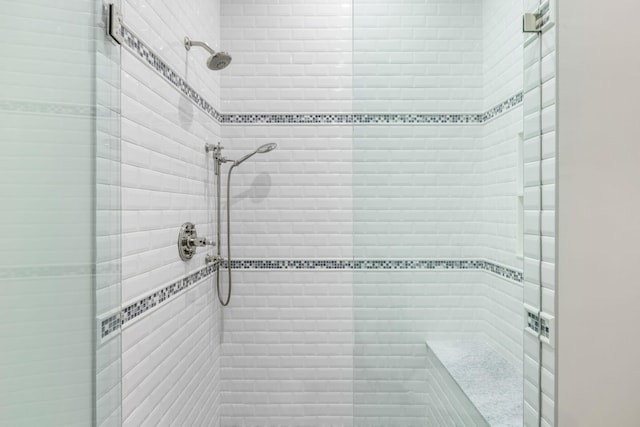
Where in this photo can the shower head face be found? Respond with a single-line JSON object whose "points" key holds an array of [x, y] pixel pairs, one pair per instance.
{"points": [[266, 148], [260, 150], [219, 61]]}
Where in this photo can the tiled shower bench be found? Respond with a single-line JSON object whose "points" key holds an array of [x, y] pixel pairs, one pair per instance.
{"points": [[491, 384]]}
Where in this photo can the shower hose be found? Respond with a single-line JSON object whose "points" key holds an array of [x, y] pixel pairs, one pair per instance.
{"points": [[226, 301]]}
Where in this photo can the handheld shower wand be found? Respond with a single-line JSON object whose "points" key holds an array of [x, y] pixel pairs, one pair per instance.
{"points": [[260, 150], [217, 155]]}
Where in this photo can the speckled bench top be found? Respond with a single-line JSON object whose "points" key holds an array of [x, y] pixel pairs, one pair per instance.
{"points": [[493, 385]]}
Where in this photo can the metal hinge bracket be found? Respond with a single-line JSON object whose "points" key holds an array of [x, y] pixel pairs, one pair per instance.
{"points": [[114, 23], [534, 22]]}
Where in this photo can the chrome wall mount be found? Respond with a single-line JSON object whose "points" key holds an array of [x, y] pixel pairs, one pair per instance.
{"points": [[188, 241]]}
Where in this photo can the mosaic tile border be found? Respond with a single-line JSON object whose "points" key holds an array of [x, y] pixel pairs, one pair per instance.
{"points": [[113, 323], [504, 272], [426, 264], [350, 119], [374, 118], [545, 329], [110, 325], [146, 55], [537, 323], [503, 107], [136, 309]]}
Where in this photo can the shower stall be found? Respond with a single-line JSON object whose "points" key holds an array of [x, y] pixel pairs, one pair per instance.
{"points": [[391, 259]]}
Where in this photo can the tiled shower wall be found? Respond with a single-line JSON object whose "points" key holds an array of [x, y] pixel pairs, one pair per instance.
{"points": [[287, 352], [289, 56], [170, 355], [383, 192], [416, 187], [417, 56]]}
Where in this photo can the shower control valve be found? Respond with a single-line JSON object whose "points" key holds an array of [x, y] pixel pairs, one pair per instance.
{"points": [[188, 241]]}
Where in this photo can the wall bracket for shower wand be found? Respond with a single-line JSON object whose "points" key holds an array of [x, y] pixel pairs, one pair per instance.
{"points": [[188, 241], [213, 259]]}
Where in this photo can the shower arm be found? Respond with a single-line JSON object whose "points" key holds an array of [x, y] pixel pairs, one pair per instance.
{"points": [[188, 43]]}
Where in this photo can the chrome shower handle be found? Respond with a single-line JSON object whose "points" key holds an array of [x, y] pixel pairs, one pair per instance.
{"points": [[201, 241]]}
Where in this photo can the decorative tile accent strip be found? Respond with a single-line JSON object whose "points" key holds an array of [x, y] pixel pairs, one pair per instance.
{"points": [[285, 119], [349, 119], [294, 264], [533, 321], [505, 272], [414, 119], [503, 107], [146, 55], [110, 325], [308, 264], [138, 308], [373, 119], [544, 328]]}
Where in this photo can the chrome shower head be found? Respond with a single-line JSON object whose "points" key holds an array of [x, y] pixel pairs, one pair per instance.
{"points": [[217, 61], [260, 150], [266, 148]]}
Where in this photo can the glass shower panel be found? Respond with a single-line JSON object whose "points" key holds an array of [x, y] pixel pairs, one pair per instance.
{"points": [[422, 284], [532, 217], [414, 185], [108, 225], [55, 212]]}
